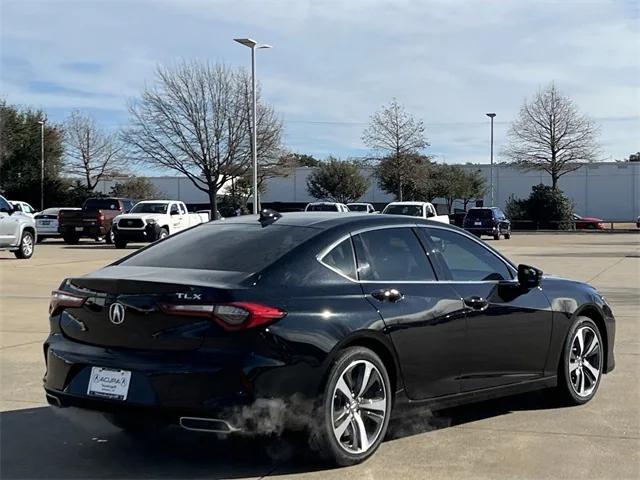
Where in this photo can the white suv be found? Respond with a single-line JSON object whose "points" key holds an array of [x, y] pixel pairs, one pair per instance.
{"points": [[17, 230]]}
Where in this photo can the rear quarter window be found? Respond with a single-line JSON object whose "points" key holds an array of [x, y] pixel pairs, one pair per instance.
{"points": [[228, 247]]}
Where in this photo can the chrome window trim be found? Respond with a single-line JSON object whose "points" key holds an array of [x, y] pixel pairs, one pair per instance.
{"points": [[349, 235]]}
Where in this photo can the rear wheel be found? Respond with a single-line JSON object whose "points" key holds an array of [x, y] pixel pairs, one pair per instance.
{"points": [[580, 368], [496, 236], [354, 414], [507, 235], [25, 249]]}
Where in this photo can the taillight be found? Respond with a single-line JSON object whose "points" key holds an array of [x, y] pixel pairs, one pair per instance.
{"points": [[230, 316], [100, 218], [61, 300]]}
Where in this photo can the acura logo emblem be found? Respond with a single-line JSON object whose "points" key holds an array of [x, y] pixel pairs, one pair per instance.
{"points": [[116, 313]]}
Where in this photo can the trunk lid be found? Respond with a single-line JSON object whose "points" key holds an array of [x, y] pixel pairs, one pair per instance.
{"points": [[123, 306]]}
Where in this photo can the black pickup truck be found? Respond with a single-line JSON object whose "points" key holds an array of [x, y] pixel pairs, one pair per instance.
{"points": [[94, 220]]}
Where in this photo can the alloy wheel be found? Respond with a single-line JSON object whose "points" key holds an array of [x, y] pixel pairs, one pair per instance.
{"points": [[585, 361], [27, 245], [359, 406]]}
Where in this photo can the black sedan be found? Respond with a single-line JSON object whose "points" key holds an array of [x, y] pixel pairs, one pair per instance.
{"points": [[318, 320]]}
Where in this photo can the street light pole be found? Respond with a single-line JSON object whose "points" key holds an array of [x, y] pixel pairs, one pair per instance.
{"points": [[491, 115], [42, 122], [252, 44]]}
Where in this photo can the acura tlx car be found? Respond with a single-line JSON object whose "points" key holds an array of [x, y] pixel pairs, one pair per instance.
{"points": [[318, 320]]}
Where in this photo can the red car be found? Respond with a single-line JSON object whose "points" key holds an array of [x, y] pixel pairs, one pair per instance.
{"points": [[590, 223]]}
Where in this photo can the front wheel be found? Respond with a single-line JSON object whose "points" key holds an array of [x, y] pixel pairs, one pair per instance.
{"points": [[110, 236], [496, 237], [507, 235], [25, 249], [581, 365], [354, 414]]}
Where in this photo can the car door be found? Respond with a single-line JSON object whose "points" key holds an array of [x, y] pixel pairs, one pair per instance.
{"points": [[425, 318], [175, 218], [508, 327], [9, 225]]}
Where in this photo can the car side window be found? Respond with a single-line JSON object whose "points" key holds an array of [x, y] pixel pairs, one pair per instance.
{"points": [[174, 209], [341, 259], [392, 254], [4, 206], [183, 209], [466, 259]]}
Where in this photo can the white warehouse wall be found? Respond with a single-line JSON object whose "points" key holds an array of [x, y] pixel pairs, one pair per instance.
{"points": [[606, 190]]}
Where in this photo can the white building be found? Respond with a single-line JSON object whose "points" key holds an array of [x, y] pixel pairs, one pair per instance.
{"points": [[610, 191]]}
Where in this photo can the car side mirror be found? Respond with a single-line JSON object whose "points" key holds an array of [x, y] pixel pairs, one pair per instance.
{"points": [[529, 277]]}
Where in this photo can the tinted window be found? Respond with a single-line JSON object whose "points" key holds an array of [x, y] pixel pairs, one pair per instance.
{"points": [[4, 205], [160, 208], [228, 247], [341, 259], [466, 259], [391, 254], [101, 204], [357, 208], [322, 207], [409, 210], [480, 213]]}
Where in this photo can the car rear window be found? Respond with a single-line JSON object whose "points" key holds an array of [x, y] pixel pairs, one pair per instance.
{"points": [[218, 246], [322, 207], [101, 204], [484, 214], [410, 210], [357, 208]]}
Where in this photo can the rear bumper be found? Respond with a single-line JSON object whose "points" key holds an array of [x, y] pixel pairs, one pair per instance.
{"points": [[239, 388], [483, 230], [86, 230]]}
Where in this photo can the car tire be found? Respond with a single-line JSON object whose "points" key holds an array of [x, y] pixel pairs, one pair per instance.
{"points": [[26, 247], [164, 233], [578, 377], [507, 235], [120, 243], [110, 236], [352, 420], [71, 239], [496, 237]]}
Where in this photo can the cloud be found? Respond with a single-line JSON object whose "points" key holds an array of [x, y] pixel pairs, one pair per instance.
{"points": [[335, 62]]}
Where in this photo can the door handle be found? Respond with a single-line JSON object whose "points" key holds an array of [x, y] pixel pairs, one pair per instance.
{"points": [[387, 295], [476, 303]]}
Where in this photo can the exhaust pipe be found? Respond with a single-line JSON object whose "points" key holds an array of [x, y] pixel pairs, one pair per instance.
{"points": [[212, 425], [53, 400]]}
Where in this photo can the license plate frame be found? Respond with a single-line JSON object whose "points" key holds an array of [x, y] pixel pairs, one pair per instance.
{"points": [[478, 224], [79, 229], [110, 383]]}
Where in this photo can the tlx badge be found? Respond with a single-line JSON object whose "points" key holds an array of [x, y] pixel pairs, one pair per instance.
{"points": [[189, 296]]}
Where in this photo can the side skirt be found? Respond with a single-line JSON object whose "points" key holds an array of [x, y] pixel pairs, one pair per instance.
{"points": [[447, 401]]}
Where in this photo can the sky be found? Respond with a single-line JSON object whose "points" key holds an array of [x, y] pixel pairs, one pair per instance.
{"points": [[334, 63]]}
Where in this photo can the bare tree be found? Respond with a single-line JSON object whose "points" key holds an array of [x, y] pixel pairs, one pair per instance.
{"points": [[396, 135], [90, 152], [551, 135], [196, 121]]}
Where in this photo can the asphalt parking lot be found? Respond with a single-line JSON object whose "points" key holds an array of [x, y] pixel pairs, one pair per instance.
{"points": [[518, 437]]}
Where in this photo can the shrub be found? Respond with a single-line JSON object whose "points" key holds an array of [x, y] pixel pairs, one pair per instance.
{"points": [[546, 208]]}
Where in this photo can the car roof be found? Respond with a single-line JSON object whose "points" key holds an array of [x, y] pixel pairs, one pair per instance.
{"points": [[328, 220], [358, 203], [408, 203]]}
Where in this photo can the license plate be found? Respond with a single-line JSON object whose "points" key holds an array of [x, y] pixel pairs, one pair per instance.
{"points": [[79, 229], [478, 223], [44, 222], [109, 383]]}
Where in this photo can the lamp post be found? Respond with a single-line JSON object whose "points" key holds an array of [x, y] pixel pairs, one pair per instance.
{"points": [[491, 115], [252, 44], [42, 122]]}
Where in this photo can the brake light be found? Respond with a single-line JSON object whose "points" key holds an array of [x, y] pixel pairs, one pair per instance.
{"points": [[230, 316], [100, 217], [61, 300]]}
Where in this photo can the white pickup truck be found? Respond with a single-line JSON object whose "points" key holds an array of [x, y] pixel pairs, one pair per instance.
{"points": [[153, 220], [415, 209]]}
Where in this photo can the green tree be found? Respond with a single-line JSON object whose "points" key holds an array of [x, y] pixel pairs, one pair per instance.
{"points": [[417, 180], [20, 156], [337, 181], [300, 160], [138, 188], [546, 208]]}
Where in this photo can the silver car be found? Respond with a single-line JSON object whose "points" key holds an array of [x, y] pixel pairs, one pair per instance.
{"points": [[47, 222], [17, 231]]}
